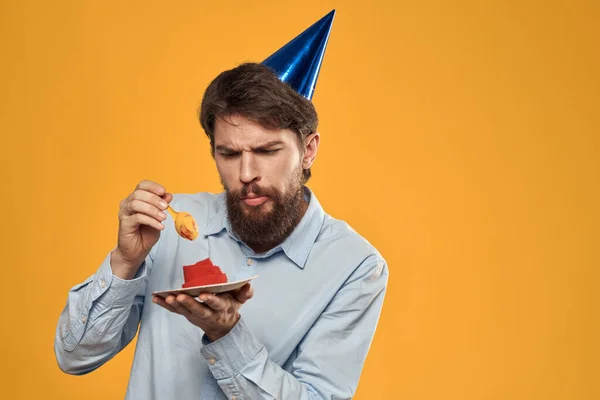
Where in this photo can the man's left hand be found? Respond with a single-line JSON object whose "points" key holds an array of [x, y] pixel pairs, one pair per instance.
{"points": [[216, 316]]}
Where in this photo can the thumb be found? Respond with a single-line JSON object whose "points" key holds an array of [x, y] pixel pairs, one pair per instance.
{"points": [[244, 293], [167, 197]]}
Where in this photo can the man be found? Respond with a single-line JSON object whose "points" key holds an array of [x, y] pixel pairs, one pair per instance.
{"points": [[304, 327]]}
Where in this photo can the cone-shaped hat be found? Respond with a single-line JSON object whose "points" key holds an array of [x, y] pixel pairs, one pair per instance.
{"points": [[298, 62]]}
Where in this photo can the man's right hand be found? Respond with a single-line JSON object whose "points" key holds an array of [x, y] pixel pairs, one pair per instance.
{"points": [[140, 222]]}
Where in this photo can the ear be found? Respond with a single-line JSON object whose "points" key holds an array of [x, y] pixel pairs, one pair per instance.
{"points": [[311, 145]]}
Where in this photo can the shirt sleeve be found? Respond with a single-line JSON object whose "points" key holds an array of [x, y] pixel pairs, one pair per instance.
{"points": [[329, 359], [100, 318]]}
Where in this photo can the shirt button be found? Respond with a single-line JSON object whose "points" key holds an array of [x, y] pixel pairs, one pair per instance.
{"points": [[249, 261], [102, 283], [212, 361], [233, 398], [83, 319]]}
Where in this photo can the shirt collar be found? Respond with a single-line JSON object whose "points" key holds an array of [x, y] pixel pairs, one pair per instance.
{"points": [[217, 221], [297, 245]]}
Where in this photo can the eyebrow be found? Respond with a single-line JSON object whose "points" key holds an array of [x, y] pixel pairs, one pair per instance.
{"points": [[258, 148]]}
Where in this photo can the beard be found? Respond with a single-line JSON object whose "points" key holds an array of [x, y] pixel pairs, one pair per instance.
{"points": [[259, 225]]}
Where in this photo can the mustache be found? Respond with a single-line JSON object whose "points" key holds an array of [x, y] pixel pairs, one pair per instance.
{"points": [[256, 190]]}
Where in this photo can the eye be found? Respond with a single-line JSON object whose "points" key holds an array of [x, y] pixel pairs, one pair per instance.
{"points": [[268, 152], [228, 155]]}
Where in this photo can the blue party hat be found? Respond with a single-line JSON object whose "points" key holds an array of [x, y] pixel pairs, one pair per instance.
{"points": [[298, 62]]}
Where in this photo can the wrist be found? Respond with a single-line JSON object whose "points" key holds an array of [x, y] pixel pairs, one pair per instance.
{"points": [[216, 334], [122, 268]]}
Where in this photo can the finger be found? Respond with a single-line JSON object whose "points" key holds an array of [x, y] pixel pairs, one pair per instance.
{"points": [[151, 186], [141, 207], [141, 219], [244, 293], [161, 302], [150, 198], [216, 303], [177, 306], [168, 197], [194, 307]]}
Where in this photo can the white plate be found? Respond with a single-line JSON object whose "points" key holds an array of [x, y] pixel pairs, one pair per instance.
{"points": [[214, 288]]}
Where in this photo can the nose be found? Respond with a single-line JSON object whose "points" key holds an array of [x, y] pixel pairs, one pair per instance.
{"points": [[248, 168]]}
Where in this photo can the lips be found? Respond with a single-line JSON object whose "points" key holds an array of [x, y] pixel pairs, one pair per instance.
{"points": [[255, 200]]}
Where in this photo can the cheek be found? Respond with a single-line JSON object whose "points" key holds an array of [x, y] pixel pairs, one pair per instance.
{"points": [[278, 172], [227, 172]]}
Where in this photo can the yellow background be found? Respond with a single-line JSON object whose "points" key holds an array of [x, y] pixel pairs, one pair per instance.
{"points": [[459, 137]]}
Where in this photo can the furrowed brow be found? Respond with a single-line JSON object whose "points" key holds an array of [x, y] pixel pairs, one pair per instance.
{"points": [[268, 145], [224, 148]]}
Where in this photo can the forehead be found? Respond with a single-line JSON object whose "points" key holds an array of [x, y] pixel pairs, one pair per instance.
{"points": [[239, 131]]}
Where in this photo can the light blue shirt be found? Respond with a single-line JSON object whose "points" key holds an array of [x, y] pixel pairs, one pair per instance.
{"points": [[304, 335]]}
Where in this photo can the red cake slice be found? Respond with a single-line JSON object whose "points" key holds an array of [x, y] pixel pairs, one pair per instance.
{"points": [[202, 273]]}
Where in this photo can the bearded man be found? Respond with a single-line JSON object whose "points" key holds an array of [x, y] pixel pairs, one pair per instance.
{"points": [[301, 330]]}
